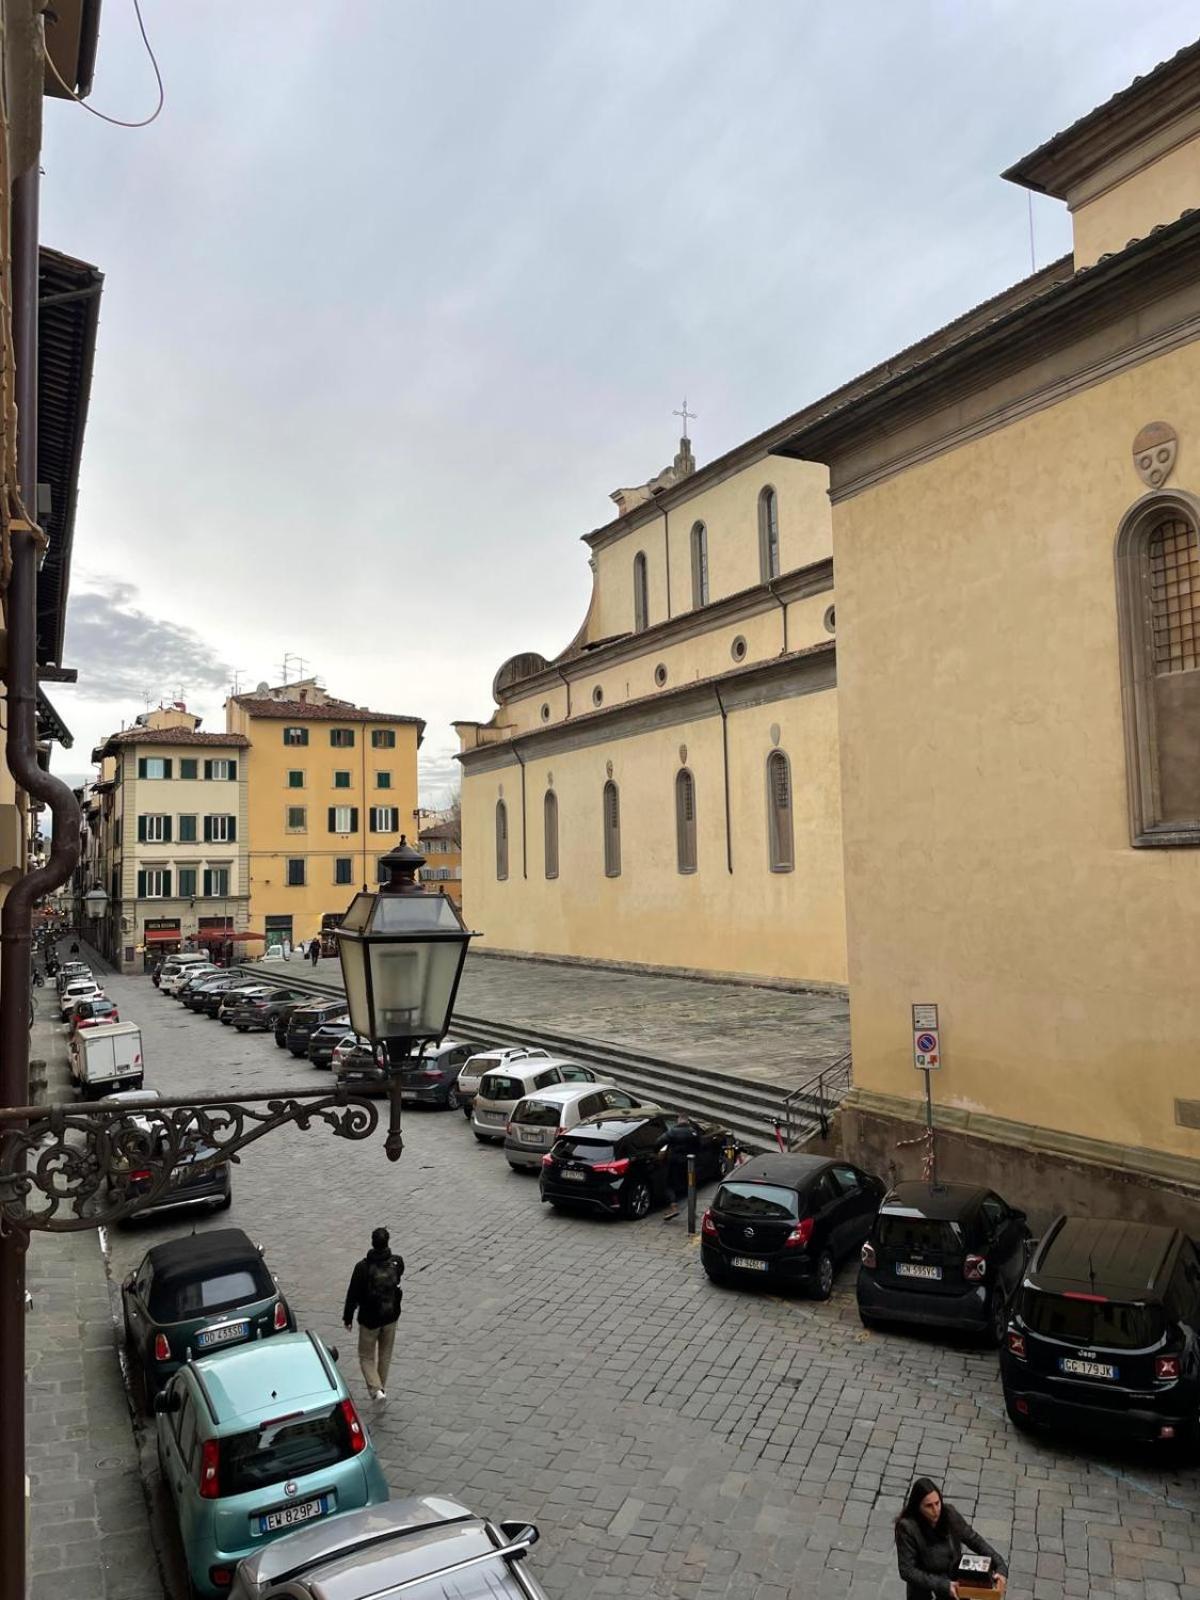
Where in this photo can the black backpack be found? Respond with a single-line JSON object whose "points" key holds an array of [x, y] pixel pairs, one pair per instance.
{"points": [[383, 1289]]}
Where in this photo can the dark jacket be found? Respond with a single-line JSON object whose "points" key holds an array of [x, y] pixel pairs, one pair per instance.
{"points": [[928, 1557], [372, 1313]]}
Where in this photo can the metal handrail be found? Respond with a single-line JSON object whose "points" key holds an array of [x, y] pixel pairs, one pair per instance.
{"points": [[823, 1089]]}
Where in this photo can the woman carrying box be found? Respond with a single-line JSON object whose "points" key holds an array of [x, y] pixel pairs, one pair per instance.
{"points": [[930, 1539]]}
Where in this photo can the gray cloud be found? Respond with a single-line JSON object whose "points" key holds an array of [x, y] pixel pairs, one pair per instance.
{"points": [[125, 654]]}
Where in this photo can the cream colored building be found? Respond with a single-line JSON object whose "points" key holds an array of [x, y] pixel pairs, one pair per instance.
{"points": [[997, 809]]}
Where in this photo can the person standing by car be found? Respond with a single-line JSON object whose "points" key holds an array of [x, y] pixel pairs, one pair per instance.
{"points": [[930, 1539], [375, 1293]]}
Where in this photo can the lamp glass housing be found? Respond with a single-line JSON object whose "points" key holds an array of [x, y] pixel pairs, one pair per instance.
{"points": [[401, 955]]}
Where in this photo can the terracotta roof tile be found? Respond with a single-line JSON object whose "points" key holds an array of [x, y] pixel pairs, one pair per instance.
{"points": [[318, 711], [175, 736]]}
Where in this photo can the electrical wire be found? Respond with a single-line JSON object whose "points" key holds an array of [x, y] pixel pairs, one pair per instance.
{"points": [[118, 122]]}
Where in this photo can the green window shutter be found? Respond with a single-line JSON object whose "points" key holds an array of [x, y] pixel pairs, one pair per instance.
{"points": [[233, 771], [187, 830], [166, 830], [166, 885], [141, 766], [353, 819], [141, 885], [207, 881], [208, 830], [167, 765], [187, 883], [187, 767], [333, 819], [141, 834], [208, 770], [232, 829]]}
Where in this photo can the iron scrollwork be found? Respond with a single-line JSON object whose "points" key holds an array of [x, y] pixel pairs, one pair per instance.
{"points": [[68, 1167]]}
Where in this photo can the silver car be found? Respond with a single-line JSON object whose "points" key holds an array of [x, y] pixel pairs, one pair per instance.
{"points": [[388, 1550], [501, 1088], [484, 1061], [541, 1118]]}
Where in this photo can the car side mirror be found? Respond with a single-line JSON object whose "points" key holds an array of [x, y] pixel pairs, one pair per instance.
{"points": [[520, 1533]]}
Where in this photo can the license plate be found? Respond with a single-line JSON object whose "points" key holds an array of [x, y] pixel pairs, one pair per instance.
{"points": [[912, 1269], [226, 1335], [289, 1516], [492, 1116], [749, 1263], [1075, 1368], [574, 1177], [530, 1135]]}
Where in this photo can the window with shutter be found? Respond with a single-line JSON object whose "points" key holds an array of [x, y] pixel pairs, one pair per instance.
{"points": [[353, 819], [208, 769], [141, 833], [612, 830], [343, 869], [341, 738], [187, 767], [501, 841], [187, 883], [141, 766], [550, 828], [207, 882], [779, 807], [295, 872], [208, 830], [187, 830], [166, 885], [685, 821], [141, 885], [295, 736]]}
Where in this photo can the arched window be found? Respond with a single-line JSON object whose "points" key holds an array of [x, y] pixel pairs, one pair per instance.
{"points": [[550, 825], [1158, 606], [612, 830], [641, 593], [699, 564], [779, 812], [685, 821], [768, 534], [501, 840]]}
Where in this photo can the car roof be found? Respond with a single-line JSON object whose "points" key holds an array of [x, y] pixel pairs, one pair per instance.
{"points": [[788, 1171], [314, 1551], [1117, 1258], [614, 1124], [257, 1382], [946, 1203], [181, 1260], [563, 1093]]}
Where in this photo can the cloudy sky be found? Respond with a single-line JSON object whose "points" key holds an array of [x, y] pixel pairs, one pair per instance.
{"points": [[398, 290]]}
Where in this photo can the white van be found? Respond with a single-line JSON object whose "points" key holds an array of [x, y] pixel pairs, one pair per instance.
{"points": [[107, 1057]]}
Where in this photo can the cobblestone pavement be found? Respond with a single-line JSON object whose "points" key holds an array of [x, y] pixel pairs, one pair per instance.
{"points": [[778, 1035], [670, 1438]]}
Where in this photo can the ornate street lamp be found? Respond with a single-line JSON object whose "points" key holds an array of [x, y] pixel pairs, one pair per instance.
{"points": [[402, 952], [95, 903]]}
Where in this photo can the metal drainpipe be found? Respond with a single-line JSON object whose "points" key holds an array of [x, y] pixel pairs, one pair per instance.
{"points": [[783, 607], [725, 768], [16, 922], [524, 837]]}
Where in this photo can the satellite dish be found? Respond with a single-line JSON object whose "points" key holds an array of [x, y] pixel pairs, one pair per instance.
{"points": [[263, 688]]}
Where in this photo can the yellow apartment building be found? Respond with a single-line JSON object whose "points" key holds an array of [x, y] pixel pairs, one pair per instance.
{"points": [[330, 787], [441, 845]]}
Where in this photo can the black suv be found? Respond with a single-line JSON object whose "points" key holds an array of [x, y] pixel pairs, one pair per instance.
{"points": [[195, 992], [788, 1219], [1105, 1333], [945, 1257], [284, 1017], [305, 1020], [260, 1010], [211, 1000], [611, 1163]]}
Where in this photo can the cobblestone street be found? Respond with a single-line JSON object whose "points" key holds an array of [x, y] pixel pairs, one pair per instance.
{"points": [[669, 1437]]}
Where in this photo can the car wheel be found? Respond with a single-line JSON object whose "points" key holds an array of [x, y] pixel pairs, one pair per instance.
{"points": [[280, 1044], [482, 1137], [997, 1317], [240, 1027], [466, 1111], [453, 1099], [868, 1321], [716, 1274], [822, 1283], [637, 1201], [296, 1052]]}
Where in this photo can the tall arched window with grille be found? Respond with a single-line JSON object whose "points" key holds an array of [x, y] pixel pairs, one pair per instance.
{"points": [[699, 564], [641, 593], [612, 830], [768, 534], [779, 812], [685, 821], [1158, 607], [550, 827], [501, 840]]}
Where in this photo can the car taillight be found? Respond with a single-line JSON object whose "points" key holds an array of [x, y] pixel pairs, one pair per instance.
{"points": [[613, 1169], [547, 1160], [868, 1255], [1016, 1344], [140, 1176], [560, 1133], [210, 1466], [358, 1439], [707, 1226], [800, 1235], [279, 1320], [221, 1577], [974, 1268], [508, 1127], [162, 1349], [1166, 1366]]}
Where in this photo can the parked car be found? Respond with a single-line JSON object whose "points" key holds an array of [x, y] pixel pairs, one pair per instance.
{"points": [[77, 989], [233, 999], [304, 1019], [489, 1061], [211, 1187], [367, 1555], [173, 977], [260, 1010], [617, 1162], [788, 1219], [283, 1020], [324, 1040], [500, 1090], [190, 977], [71, 972], [255, 1441], [540, 1119], [91, 1013], [1104, 1335], [207, 985], [949, 1257], [201, 1293], [174, 965], [434, 1079], [209, 1001]]}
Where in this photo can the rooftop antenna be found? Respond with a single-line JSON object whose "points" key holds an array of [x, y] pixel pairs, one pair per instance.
{"points": [[235, 687], [685, 414]]}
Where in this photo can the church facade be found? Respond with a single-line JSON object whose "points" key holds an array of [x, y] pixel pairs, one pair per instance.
{"points": [[992, 744]]}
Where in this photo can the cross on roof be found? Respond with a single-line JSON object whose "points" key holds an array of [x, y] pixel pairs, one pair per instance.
{"points": [[685, 414]]}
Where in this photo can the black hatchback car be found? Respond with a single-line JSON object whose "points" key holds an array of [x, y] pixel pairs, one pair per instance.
{"points": [[1104, 1336], [944, 1257], [305, 1020], [788, 1220], [617, 1162]]}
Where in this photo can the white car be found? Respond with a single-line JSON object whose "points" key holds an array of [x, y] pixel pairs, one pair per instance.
{"points": [[489, 1061], [170, 982], [77, 989]]}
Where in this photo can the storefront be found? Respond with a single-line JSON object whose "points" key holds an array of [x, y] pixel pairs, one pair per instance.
{"points": [[160, 937]]}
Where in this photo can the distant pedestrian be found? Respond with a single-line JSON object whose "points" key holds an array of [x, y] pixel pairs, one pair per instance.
{"points": [[930, 1539], [680, 1140], [375, 1293], [314, 951], [287, 949], [156, 973], [74, 947]]}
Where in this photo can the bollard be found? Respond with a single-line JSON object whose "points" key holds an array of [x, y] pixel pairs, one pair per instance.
{"points": [[691, 1180]]}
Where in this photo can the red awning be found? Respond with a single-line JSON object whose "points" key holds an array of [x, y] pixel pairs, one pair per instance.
{"points": [[162, 935], [224, 936]]}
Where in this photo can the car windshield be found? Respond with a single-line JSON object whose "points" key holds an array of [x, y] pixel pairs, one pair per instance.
{"points": [[216, 1291], [919, 1235], [499, 1086], [287, 1448], [1109, 1324], [583, 1150], [757, 1200], [540, 1113]]}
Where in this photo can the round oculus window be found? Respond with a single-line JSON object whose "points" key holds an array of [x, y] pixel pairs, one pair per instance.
{"points": [[738, 648], [597, 696], [660, 674]]}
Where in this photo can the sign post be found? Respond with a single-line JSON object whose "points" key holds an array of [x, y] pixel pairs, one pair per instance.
{"points": [[927, 1058]]}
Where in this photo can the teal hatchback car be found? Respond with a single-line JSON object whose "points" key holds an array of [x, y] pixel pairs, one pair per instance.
{"points": [[254, 1442]]}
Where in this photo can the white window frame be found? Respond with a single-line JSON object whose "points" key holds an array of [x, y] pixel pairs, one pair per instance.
{"points": [[345, 826], [155, 881], [219, 832], [156, 826]]}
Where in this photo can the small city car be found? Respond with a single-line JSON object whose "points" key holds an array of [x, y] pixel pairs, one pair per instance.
{"points": [[1104, 1336], [256, 1441], [260, 1010], [206, 1292], [305, 1019], [945, 1257], [618, 1162], [542, 1118], [433, 1080], [69, 972], [500, 1090], [424, 1545], [788, 1220], [491, 1061], [92, 1013]]}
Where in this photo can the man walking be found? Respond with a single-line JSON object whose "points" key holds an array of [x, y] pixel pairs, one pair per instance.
{"points": [[375, 1293], [314, 951]]}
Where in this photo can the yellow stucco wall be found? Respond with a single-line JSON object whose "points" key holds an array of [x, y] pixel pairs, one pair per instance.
{"points": [[753, 921], [989, 867], [1157, 193]]}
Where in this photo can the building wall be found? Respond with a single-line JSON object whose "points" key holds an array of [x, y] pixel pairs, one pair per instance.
{"points": [[1130, 205], [987, 845], [443, 867]]}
